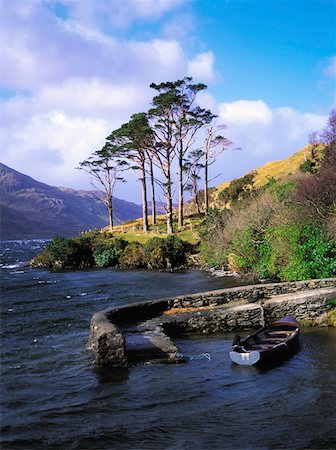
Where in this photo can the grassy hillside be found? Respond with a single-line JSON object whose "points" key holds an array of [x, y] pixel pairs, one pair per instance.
{"points": [[277, 170]]}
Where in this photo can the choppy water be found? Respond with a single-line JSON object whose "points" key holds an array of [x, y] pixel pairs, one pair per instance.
{"points": [[54, 397]]}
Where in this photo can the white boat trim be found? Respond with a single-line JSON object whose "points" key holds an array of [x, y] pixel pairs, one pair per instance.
{"points": [[245, 358]]}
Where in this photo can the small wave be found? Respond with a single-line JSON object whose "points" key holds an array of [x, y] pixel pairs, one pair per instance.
{"points": [[14, 266]]}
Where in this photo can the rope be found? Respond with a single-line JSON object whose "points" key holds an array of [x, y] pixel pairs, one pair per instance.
{"points": [[194, 357], [201, 356]]}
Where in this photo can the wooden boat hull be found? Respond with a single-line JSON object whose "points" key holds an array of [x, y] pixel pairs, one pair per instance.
{"points": [[268, 345]]}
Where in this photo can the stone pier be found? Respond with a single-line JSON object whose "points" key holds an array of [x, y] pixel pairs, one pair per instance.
{"points": [[144, 331]]}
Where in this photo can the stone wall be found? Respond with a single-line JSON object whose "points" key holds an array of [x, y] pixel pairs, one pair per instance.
{"points": [[208, 312], [222, 296], [302, 305]]}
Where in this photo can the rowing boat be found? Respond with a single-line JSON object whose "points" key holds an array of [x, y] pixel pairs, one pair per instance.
{"points": [[272, 343]]}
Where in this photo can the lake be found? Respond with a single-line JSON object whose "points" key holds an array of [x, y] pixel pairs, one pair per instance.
{"points": [[53, 396]]}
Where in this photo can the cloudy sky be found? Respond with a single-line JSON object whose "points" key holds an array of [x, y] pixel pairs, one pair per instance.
{"points": [[74, 70]]}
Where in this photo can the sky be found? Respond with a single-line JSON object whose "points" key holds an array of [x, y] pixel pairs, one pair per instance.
{"points": [[72, 71]]}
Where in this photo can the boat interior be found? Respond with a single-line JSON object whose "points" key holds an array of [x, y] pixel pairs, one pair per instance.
{"points": [[268, 337]]}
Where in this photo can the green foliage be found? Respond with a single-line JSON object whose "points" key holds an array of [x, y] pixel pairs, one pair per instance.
{"points": [[107, 251], [103, 250], [308, 166], [332, 301], [166, 254], [276, 234], [282, 190], [66, 253], [212, 256], [133, 256], [238, 189], [288, 252]]}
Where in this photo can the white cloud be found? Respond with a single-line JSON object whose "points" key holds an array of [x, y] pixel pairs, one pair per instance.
{"points": [[119, 13], [202, 67], [49, 146], [246, 112], [264, 133], [45, 50]]}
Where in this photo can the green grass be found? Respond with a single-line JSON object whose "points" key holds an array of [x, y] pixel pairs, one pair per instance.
{"points": [[132, 230], [332, 301]]}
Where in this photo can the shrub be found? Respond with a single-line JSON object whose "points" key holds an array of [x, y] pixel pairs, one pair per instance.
{"points": [[166, 254], [43, 260], [308, 166], [155, 257], [133, 256], [107, 251], [300, 252], [282, 191], [238, 189], [66, 253]]}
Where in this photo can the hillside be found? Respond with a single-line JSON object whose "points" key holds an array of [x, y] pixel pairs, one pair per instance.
{"points": [[275, 169], [30, 209]]}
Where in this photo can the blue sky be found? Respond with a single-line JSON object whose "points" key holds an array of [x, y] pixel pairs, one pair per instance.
{"points": [[74, 70]]}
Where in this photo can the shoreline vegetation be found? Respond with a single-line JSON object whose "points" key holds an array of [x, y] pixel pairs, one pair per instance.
{"points": [[277, 222]]}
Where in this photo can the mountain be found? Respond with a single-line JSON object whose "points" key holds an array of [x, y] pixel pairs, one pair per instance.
{"points": [[30, 209]]}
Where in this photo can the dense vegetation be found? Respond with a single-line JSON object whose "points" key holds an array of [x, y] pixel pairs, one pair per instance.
{"points": [[285, 230], [97, 249]]}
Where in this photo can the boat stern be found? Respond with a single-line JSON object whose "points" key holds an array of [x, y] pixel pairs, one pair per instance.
{"points": [[245, 358]]}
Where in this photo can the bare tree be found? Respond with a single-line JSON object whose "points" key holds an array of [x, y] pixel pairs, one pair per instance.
{"points": [[193, 167], [105, 166], [150, 165], [214, 145]]}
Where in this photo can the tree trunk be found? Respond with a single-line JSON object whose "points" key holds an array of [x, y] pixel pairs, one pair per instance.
{"points": [[195, 187], [110, 213], [169, 199], [206, 194], [170, 229], [144, 197], [153, 192], [180, 206]]}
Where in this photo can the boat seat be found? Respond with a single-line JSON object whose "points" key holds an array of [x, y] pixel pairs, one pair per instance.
{"points": [[262, 346], [279, 333]]}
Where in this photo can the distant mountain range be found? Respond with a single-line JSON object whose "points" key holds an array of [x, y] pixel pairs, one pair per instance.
{"points": [[30, 209]]}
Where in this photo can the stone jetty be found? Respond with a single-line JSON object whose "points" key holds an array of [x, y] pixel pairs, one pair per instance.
{"points": [[144, 331]]}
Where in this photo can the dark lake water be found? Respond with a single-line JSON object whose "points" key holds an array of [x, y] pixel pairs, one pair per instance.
{"points": [[52, 396]]}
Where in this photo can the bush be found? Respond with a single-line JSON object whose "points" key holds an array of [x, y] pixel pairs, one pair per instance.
{"points": [[301, 252], [166, 254], [308, 166], [43, 260], [133, 256], [155, 257], [66, 253], [238, 189], [107, 251], [283, 190]]}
